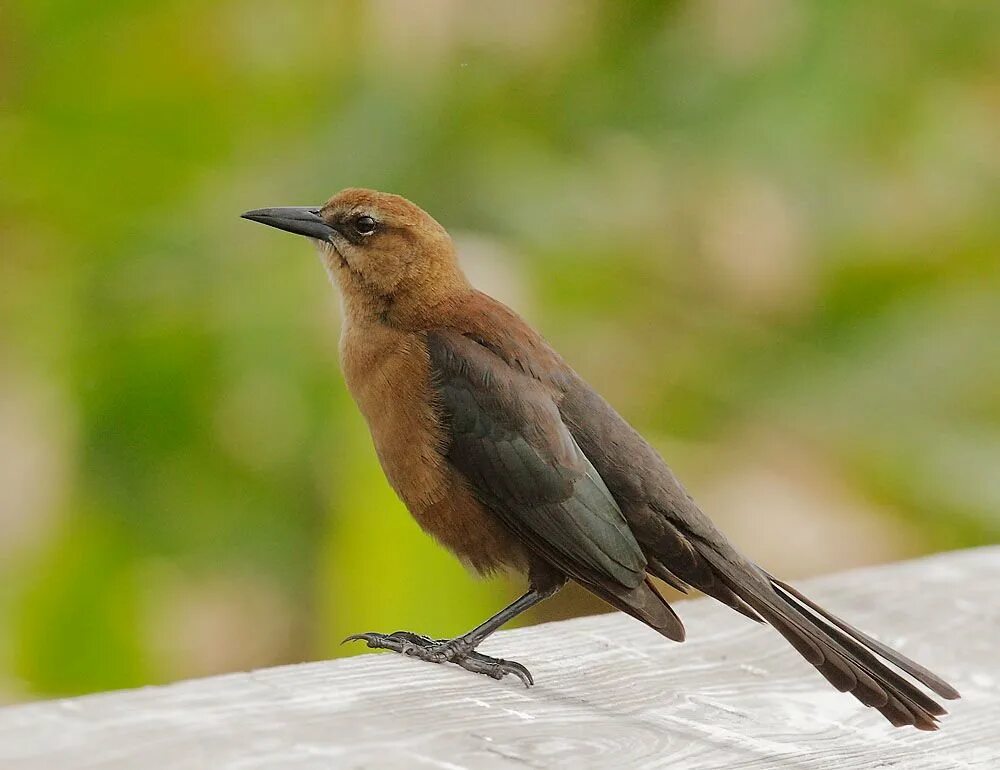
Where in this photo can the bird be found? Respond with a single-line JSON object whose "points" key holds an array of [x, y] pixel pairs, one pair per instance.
{"points": [[510, 460]]}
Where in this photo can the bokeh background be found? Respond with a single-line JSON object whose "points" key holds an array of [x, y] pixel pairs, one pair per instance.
{"points": [[767, 230]]}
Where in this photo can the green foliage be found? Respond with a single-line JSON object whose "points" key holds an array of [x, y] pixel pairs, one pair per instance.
{"points": [[76, 623]]}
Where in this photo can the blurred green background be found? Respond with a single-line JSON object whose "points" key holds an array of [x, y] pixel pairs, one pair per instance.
{"points": [[767, 230]]}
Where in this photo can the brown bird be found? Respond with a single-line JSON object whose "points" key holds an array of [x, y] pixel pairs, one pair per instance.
{"points": [[510, 460]]}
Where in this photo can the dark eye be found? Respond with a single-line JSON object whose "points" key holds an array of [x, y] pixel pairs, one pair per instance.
{"points": [[365, 225]]}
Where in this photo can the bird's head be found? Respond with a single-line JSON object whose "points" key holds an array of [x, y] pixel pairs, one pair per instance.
{"points": [[390, 258]]}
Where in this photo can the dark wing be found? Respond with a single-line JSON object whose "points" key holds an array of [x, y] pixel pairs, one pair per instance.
{"points": [[507, 439]]}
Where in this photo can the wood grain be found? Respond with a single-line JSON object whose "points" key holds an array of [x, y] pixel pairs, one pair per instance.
{"points": [[609, 693]]}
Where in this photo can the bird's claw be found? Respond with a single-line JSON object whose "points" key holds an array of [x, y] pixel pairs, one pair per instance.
{"points": [[444, 651], [399, 641], [495, 668]]}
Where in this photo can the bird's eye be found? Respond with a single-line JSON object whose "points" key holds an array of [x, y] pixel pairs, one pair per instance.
{"points": [[365, 225]]}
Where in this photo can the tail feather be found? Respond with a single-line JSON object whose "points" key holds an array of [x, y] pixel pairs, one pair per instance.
{"points": [[914, 669], [846, 657], [874, 684], [714, 588], [865, 656]]}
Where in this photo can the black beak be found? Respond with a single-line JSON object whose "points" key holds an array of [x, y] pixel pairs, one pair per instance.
{"points": [[301, 220]]}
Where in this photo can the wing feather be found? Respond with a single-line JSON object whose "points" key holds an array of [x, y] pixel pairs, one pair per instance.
{"points": [[506, 437]]}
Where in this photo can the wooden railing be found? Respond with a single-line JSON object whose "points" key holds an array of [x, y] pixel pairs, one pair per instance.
{"points": [[609, 693]]}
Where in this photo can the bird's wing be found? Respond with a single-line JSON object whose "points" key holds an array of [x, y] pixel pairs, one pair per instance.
{"points": [[507, 439]]}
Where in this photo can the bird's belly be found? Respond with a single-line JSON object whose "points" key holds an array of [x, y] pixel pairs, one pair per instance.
{"points": [[388, 375], [460, 523]]}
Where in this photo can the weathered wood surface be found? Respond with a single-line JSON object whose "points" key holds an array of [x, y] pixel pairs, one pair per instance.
{"points": [[609, 693]]}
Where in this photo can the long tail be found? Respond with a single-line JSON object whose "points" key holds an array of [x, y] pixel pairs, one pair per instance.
{"points": [[846, 657]]}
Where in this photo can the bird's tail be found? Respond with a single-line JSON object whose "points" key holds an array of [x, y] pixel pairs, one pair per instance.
{"points": [[849, 659]]}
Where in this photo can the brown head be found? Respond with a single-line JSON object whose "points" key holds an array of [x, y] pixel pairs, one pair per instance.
{"points": [[391, 259]]}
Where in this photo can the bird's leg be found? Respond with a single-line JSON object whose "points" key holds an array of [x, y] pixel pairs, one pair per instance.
{"points": [[462, 649]]}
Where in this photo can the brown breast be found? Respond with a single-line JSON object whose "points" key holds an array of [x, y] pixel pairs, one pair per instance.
{"points": [[388, 374]]}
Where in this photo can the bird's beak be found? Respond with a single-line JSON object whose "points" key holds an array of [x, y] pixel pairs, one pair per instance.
{"points": [[301, 220]]}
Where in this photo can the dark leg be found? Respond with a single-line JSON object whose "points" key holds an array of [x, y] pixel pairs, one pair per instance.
{"points": [[461, 649]]}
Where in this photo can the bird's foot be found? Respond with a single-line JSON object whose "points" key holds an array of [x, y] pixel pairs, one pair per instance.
{"points": [[456, 651]]}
